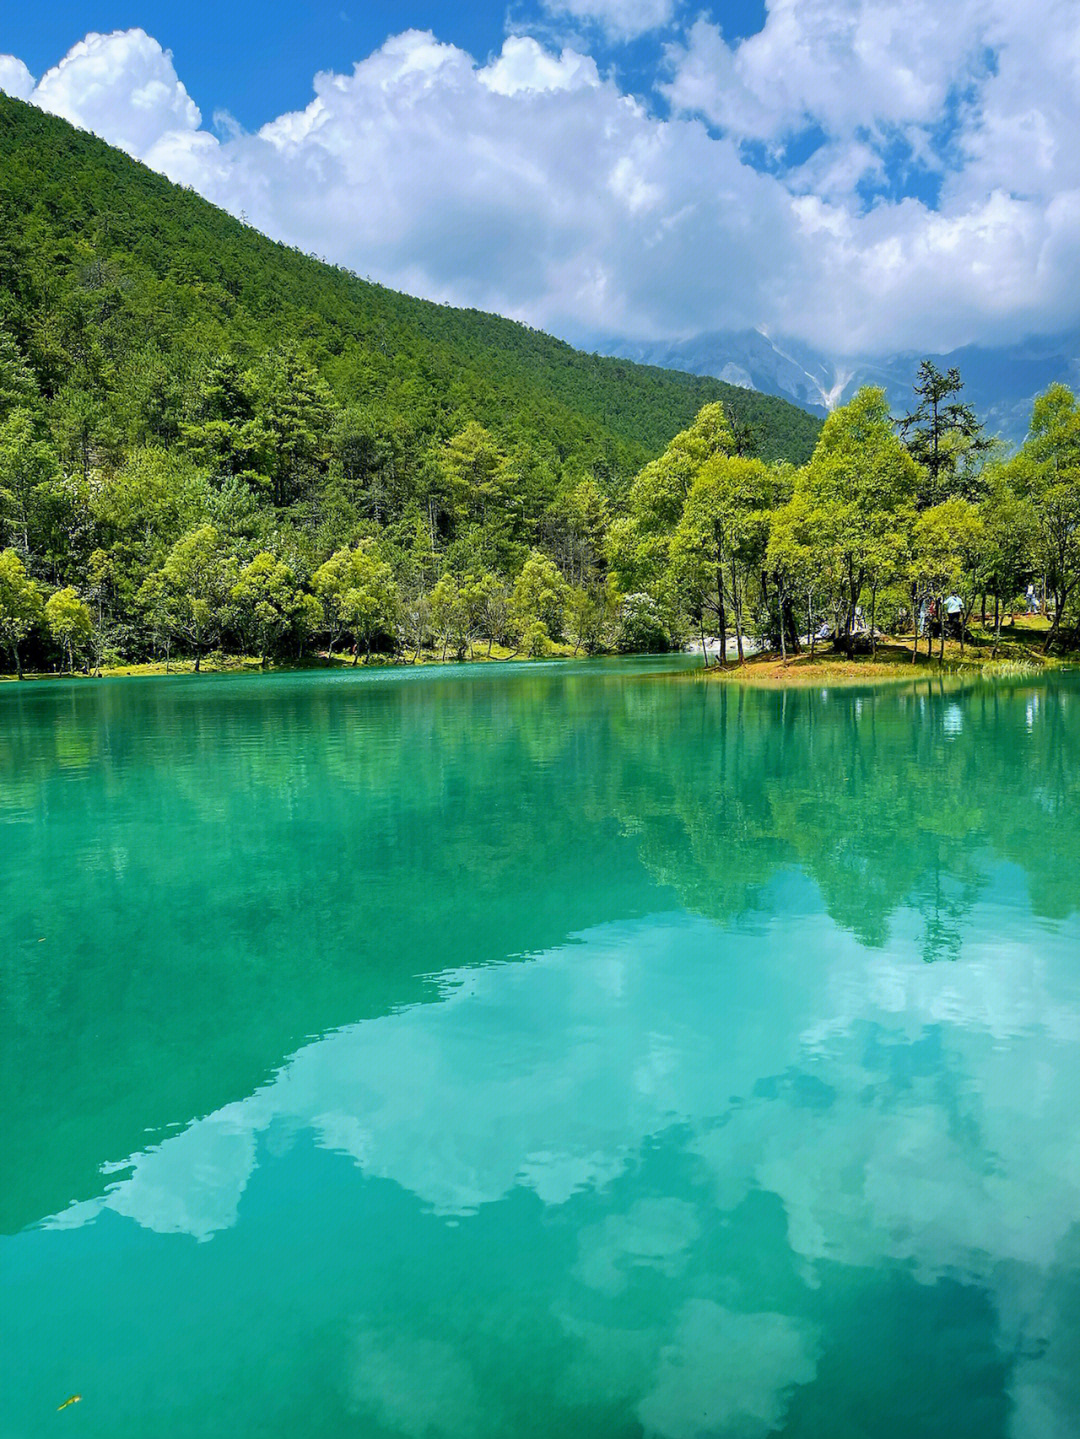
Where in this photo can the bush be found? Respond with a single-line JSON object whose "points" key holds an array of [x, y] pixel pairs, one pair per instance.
{"points": [[641, 627], [535, 640]]}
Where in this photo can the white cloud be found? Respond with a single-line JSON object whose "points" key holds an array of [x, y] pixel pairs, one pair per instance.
{"points": [[15, 78], [122, 86], [525, 65], [534, 186], [841, 64], [618, 19]]}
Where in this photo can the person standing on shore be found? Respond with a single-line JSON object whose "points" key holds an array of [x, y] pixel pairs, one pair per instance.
{"points": [[954, 611]]}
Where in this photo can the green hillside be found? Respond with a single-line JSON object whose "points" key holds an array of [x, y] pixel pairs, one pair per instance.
{"points": [[195, 421], [106, 267]]}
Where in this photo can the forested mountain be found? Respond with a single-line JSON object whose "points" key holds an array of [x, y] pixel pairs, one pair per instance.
{"points": [[117, 283], [209, 441]]}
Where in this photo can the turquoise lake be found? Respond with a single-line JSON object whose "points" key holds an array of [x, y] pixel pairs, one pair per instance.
{"points": [[578, 1049]]}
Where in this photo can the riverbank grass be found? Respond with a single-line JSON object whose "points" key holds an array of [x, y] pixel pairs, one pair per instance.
{"points": [[1017, 651]]}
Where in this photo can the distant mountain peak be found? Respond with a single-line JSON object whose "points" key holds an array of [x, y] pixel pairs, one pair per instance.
{"points": [[1001, 383]]}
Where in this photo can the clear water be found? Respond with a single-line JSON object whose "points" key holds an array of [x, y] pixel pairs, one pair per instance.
{"points": [[543, 1050]]}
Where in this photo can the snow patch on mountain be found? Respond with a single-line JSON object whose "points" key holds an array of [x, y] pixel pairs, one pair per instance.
{"points": [[1001, 383]]}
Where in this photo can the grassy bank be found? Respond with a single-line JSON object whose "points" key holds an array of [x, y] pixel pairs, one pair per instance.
{"points": [[1018, 650]]}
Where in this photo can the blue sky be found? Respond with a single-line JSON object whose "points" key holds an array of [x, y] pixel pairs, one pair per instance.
{"points": [[863, 176], [284, 44]]}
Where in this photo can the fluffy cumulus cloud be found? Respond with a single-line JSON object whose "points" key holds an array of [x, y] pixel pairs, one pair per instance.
{"points": [[15, 78], [122, 86], [863, 175]]}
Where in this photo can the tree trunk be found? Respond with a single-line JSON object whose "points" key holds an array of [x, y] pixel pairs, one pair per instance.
{"points": [[701, 632], [965, 619], [736, 605], [721, 615], [1059, 605], [873, 623]]}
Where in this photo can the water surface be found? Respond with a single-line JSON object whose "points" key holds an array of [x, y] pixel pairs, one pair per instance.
{"points": [[530, 1050]]}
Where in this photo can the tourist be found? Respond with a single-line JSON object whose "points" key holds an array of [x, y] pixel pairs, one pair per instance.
{"points": [[954, 610]]}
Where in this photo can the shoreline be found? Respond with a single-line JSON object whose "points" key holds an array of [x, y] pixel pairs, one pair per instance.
{"points": [[893, 664], [1018, 654]]}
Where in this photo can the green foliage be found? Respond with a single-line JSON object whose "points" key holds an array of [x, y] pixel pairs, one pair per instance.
{"points": [[267, 600], [21, 606], [191, 593], [535, 640], [359, 595], [540, 595], [858, 493], [69, 622], [641, 628], [1047, 473], [167, 373], [208, 439], [947, 547], [942, 436]]}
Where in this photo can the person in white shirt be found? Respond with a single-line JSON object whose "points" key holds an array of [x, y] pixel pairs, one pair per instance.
{"points": [[954, 613]]}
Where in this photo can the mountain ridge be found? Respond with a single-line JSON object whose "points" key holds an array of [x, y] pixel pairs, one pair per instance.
{"points": [[73, 208], [1000, 382]]}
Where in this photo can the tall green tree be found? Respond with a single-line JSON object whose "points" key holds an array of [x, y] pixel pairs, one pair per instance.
{"points": [[197, 578], [1009, 531], [70, 623], [947, 547], [721, 537], [267, 600], [21, 606], [1047, 470], [540, 595], [859, 490], [638, 543], [942, 435], [359, 595], [28, 466]]}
